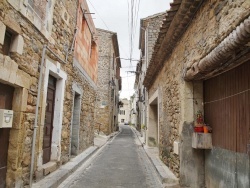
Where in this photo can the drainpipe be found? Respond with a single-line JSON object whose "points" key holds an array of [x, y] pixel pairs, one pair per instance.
{"points": [[72, 45], [36, 116]]}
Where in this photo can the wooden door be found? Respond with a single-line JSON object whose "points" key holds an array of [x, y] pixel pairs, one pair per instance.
{"points": [[227, 99], [227, 110], [48, 125], [6, 96]]}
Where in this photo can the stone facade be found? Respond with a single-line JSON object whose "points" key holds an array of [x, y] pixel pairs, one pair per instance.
{"points": [[32, 28], [183, 42], [150, 28], [108, 82]]}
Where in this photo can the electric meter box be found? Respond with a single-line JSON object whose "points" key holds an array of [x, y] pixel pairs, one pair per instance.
{"points": [[6, 118]]}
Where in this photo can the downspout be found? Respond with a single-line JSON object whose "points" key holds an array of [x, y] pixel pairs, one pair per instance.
{"points": [[72, 45], [110, 89], [66, 59], [36, 116]]}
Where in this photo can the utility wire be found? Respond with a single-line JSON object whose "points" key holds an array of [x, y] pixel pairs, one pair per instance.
{"points": [[98, 15], [120, 46]]}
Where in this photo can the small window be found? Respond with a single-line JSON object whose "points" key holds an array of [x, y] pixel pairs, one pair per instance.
{"points": [[83, 24], [122, 120], [7, 43], [122, 112], [38, 6]]}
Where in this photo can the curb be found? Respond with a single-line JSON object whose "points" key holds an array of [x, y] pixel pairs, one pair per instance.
{"points": [[54, 179], [166, 176]]}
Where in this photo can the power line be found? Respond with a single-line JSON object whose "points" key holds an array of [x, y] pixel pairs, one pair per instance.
{"points": [[127, 76], [120, 46], [98, 15], [128, 67]]}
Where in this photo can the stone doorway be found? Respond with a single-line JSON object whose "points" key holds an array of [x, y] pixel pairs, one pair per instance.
{"points": [[6, 96], [153, 126], [49, 116], [75, 125]]}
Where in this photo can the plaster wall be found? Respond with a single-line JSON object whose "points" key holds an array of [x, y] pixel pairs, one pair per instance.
{"points": [[85, 46], [225, 168], [126, 107]]}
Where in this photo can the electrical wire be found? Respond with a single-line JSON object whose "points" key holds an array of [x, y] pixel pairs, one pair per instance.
{"points": [[99, 15]]}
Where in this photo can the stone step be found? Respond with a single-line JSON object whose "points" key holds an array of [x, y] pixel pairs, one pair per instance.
{"points": [[49, 168]]}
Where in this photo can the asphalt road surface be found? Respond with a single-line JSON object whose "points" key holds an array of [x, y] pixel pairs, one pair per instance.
{"points": [[121, 163]]}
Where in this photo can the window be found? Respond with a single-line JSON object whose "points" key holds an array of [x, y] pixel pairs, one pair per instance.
{"points": [[38, 12], [122, 112], [83, 24], [11, 42], [7, 43], [122, 120], [38, 6]]}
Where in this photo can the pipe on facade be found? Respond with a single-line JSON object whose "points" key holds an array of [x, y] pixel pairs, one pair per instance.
{"points": [[36, 115], [72, 45], [240, 36], [59, 58]]}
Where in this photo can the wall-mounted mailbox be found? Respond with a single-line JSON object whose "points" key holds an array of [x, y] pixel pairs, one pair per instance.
{"points": [[6, 118], [202, 140]]}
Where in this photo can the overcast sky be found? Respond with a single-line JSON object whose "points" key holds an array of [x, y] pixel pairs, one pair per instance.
{"points": [[114, 15]]}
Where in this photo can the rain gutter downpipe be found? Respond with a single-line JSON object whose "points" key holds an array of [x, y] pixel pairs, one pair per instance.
{"points": [[36, 116], [72, 45]]}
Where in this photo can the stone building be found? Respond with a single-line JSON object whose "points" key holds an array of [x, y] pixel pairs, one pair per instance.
{"points": [[108, 82], [200, 63], [150, 27], [48, 74]]}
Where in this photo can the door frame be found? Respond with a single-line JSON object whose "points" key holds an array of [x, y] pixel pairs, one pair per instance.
{"points": [[76, 91], [54, 69], [53, 89], [153, 130], [8, 93]]}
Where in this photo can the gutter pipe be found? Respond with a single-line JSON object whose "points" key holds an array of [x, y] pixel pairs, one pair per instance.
{"points": [[36, 116]]}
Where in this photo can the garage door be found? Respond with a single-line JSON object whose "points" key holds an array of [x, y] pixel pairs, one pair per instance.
{"points": [[227, 108], [227, 111]]}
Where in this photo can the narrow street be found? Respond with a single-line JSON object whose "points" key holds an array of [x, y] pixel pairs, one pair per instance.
{"points": [[122, 162]]}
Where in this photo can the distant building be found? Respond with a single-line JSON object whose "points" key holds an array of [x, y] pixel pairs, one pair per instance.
{"points": [[124, 112], [150, 27], [108, 82], [133, 111]]}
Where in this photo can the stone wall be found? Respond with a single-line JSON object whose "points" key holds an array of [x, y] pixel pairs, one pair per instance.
{"points": [[26, 68], [153, 27], [105, 74], [211, 24]]}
